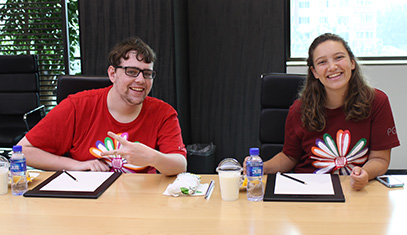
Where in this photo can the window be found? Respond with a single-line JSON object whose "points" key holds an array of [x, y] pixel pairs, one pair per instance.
{"points": [[303, 20], [323, 20], [73, 37], [40, 28], [344, 3], [366, 18], [364, 2], [304, 4], [343, 20], [373, 29]]}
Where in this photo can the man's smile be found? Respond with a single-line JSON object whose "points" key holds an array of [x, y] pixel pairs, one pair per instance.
{"points": [[137, 89]]}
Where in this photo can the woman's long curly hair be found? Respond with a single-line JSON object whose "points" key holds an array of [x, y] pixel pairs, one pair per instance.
{"points": [[359, 96]]}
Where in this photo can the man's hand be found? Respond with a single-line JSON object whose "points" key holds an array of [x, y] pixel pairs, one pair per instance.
{"points": [[139, 154], [92, 165], [135, 153]]}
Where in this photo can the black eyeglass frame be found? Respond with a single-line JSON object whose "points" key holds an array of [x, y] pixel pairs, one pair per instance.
{"points": [[153, 73]]}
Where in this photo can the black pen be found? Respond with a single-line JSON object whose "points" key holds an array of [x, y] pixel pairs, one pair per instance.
{"points": [[300, 181], [70, 175], [209, 190]]}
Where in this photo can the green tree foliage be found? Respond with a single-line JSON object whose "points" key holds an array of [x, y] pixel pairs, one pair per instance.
{"points": [[37, 27]]}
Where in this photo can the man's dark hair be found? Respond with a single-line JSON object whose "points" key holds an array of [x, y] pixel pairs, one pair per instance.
{"points": [[120, 50]]}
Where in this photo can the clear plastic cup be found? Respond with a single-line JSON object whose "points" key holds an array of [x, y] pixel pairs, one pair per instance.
{"points": [[229, 171], [4, 168]]}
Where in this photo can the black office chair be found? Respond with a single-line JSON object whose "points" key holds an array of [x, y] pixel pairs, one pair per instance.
{"points": [[20, 107], [278, 92], [72, 84]]}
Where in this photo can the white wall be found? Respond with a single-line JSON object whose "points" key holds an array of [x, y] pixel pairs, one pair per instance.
{"points": [[392, 79]]}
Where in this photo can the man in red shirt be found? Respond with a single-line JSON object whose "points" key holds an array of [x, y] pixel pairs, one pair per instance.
{"points": [[116, 128]]}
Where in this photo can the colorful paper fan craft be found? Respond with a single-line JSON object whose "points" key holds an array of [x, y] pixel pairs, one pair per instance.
{"points": [[336, 158], [117, 163]]}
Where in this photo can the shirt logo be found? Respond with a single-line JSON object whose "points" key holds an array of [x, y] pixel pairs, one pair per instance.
{"points": [[336, 158], [116, 163], [391, 131]]}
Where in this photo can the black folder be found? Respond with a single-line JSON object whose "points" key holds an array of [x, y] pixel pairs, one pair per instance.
{"points": [[36, 192], [338, 196]]}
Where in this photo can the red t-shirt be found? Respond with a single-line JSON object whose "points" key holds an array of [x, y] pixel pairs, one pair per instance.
{"points": [[79, 126], [342, 144]]}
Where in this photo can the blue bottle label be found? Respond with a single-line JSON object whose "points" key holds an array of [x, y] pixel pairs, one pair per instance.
{"points": [[18, 165], [253, 171]]}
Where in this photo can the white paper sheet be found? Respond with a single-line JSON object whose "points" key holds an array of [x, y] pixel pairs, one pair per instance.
{"points": [[317, 184], [88, 181]]}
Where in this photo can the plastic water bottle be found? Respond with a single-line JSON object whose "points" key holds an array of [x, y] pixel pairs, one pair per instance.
{"points": [[254, 174], [18, 168]]}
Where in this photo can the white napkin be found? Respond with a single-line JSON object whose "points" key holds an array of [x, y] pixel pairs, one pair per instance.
{"points": [[186, 184]]}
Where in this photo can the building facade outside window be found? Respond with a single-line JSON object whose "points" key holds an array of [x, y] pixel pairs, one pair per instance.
{"points": [[374, 29]]}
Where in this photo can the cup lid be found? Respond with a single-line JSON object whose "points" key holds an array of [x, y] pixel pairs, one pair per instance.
{"points": [[4, 162], [229, 164]]}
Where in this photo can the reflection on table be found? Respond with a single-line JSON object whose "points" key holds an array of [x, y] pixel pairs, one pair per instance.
{"points": [[134, 204]]}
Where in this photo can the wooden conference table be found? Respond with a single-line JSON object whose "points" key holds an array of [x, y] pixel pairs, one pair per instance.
{"points": [[134, 204]]}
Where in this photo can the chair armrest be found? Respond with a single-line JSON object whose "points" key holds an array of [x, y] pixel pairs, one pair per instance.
{"points": [[40, 108]]}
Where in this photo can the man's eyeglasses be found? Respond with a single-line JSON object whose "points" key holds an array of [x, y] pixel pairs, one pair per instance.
{"points": [[134, 72]]}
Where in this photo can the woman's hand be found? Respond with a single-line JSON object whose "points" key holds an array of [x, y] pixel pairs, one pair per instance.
{"points": [[377, 164], [358, 178]]}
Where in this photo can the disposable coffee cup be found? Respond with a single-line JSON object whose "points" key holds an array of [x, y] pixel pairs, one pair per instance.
{"points": [[229, 171], [4, 167]]}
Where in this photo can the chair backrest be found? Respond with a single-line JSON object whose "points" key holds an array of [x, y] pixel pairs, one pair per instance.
{"points": [[278, 92], [72, 84], [19, 93]]}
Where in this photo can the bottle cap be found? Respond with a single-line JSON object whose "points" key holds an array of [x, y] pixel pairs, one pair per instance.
{"points": [[17, 148], [254, 151]]}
